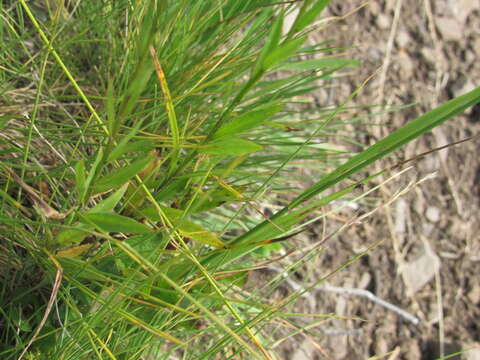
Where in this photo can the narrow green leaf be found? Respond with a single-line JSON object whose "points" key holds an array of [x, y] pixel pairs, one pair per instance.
{"points": [[21, 322], [308, 17], [93, 170], [81, 230], [110, 105], [213, 199], [148, 26], [276, 33], [121, 176], [171, 190], [230, 147], [111, 222], [137, 146], [123, 145], [319, 64], [174, 215], [139, 80], [73, 236], [283, 52], [109, 203], [246, 122], [80, 178], [271, 43], [185, 227]]}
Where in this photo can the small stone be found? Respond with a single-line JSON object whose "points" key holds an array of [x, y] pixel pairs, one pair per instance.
{"points": [[406, 63], [450, 28], [418, 273], [470, 56], [428, 54], [433, 214], [403, 38], [427, 229], [374, 54], [383, 21]]}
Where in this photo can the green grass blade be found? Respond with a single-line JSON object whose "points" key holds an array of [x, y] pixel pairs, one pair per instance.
{"points": [[271, 43], [306, 17], [246, 122], [230, 147], [110, 222], [172, 117], [122, 175], [185, 227], [109, 203], [80, 178], [283, 52], [319, 64]]}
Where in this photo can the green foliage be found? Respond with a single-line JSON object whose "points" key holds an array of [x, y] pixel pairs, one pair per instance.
{"points": [[131, 192]]}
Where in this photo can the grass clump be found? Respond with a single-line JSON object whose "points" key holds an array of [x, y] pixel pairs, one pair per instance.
{"points": [[138, 141]]}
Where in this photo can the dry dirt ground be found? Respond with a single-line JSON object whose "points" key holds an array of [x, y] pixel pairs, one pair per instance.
{"points": [[428, 259]]}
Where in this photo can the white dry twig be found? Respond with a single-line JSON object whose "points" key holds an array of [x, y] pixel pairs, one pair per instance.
{"points": [[347, 291]]}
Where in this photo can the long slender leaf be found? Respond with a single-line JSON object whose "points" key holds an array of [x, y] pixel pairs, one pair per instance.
{"points": [[230, 147], [305, 18], [111, 222], [283, 52], [319, 64], [121, 176], [246, 122], [184, 226]]}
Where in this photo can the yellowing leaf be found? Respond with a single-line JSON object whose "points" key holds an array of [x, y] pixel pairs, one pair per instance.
{"points": [[199, 234], [74, 251]]}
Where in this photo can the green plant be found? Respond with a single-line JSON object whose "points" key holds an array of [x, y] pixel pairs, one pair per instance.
{"points": [[130, 192]]}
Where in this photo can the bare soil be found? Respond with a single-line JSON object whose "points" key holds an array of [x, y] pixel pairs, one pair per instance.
{"points": [[427, 261]]}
